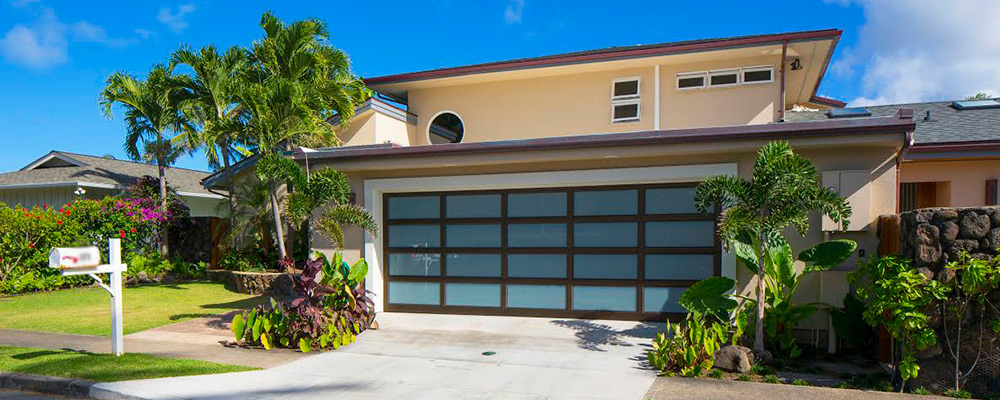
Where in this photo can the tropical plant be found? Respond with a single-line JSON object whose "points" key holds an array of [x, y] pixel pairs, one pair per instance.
{"points": [[849, 323], [898, 297], [152, 111], [212, 106], [783, 190], [782, 280], [253, 221], [974, 279], [688, 348], [331, 309]]}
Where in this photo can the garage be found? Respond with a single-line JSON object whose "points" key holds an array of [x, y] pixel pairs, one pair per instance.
{"points": [[611, 252]]}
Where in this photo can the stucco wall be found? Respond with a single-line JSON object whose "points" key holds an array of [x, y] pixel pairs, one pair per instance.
{"points": [[967, 179], [53, 196]]}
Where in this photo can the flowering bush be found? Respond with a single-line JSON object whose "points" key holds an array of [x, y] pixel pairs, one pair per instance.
{"points": [[26, 235]]}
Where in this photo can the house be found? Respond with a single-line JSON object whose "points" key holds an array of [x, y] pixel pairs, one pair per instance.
{"points": [[562, 185], [60, 177], [954, 160]]}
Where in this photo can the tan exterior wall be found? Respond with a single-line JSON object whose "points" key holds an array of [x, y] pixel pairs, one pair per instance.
{"points": [[578, 104], [53, 196], [964, 182], [361, 131]]}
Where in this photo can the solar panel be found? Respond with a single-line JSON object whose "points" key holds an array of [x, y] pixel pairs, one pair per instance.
{"points": [[974, 104], [848, 113]]}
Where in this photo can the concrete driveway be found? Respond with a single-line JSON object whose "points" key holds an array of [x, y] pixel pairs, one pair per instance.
{"points": [[430, 356]]}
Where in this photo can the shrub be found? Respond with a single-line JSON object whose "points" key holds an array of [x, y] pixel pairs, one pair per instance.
{"points": [[743, 378], [244, 261], [715, 374], [800, 382], [772, 379], [921, 391], [958, 394], [332, 309]]}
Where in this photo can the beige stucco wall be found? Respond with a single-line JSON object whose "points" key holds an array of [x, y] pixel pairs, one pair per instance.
{"points": [[966, 180], [360, 131], [734, 105]]}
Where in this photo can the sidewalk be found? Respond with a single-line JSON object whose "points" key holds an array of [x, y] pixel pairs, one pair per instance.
{"points": [[196, 339]]}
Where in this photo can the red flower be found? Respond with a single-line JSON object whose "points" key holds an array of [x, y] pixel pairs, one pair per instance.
{"points": [[67, 212], [46, 205], [31, 245], [133, 230], [122, 233], [60, 222]]}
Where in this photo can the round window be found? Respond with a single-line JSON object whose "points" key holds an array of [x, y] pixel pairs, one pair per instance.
{"points": [[446, 128]]}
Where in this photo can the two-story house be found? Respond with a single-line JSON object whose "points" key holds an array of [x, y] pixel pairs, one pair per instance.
{"points": [[562, 185]]}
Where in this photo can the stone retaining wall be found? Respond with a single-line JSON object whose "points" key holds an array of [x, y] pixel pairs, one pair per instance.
{"points": [[933, 237], [273, 283]]}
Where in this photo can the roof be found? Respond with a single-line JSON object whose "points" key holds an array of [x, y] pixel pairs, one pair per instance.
{"points": [[60, 168], [901, 121], [945, 126]]}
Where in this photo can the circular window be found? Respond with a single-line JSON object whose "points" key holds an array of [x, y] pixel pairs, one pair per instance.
{"points": [[446, 127]]}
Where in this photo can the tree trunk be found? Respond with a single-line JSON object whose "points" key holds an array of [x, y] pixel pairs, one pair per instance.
{"points": [[230, 188], [758, 337], [164, 226], [292, 239], [278, 232]]}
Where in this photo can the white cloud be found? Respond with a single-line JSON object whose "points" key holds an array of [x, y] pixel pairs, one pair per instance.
{"points": [[40, 46], [23, 3], [175, 21], [924, 50], [86, 32], [145, 33], [512, 15]]}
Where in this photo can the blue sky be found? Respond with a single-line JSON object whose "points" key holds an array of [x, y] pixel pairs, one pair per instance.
{"points": [[55, 55]]}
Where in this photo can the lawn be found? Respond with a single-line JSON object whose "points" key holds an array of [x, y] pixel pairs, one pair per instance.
{"points": [[104, 367], [87, 310]]}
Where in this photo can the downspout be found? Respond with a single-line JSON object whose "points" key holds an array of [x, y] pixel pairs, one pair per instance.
{"points": [[781, 95], [907, 142]]}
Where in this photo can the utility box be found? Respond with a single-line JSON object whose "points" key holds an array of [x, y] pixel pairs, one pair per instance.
{"points": [[74, 257], [855, 186]]}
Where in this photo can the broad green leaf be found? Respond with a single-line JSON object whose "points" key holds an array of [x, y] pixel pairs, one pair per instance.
{"points": [[709, 297], [746, 255], [781, 266], [827, 255], [304, 345], [239, 326], [265, 340], [358, 272], [256, 329]]}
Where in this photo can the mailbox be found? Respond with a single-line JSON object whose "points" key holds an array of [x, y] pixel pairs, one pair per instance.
{"points": [[74, 257]]}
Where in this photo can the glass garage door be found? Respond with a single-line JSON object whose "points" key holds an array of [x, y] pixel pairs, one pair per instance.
{"points": [[623, 252]]}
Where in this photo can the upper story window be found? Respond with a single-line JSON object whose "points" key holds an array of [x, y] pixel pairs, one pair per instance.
{"points": [[626, 100], [725, 77], [446, 127]]}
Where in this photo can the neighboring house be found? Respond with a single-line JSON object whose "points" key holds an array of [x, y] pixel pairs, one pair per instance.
{"points": [[954, 159], [57, 177], [562, 185]]}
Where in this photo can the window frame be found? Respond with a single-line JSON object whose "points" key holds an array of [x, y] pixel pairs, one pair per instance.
{"points": [[627, 100], [744, 70], [427, 133], [684, 75], [723, 72]]}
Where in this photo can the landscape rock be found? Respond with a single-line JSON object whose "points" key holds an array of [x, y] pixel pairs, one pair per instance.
{"points": [[927, 256], [143, 277], [761, 357], [962, 245], [948, 232], [945, 275], [973, 226], [927, 234], [733, 359], [993, 239], [927, 272], [944, 215]]}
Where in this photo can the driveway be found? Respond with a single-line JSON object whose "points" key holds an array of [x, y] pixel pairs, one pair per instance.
{"points": [[431, 356]]}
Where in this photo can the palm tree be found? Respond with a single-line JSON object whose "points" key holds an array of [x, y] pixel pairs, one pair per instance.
{"points": [[783, 190], [273, 112], [213, 106], [151, 109]]}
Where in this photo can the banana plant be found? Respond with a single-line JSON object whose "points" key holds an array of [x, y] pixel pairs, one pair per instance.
{"points": [[782, 281]]}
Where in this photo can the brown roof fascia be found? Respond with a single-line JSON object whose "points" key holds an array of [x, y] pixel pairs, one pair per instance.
{"points": [[944, 147], [826, 101], [611, 54], [902, 121]]}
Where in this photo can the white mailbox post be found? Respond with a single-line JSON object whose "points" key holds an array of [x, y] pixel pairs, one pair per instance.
{"points": [[87, 261]]}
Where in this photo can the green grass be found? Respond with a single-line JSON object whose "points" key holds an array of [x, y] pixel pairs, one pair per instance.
{"points": [[104, 367], [800, 382], [87, 310], [771, 379]]}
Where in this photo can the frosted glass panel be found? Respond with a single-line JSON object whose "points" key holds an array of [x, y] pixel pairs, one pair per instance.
{"points": [[414, 207], [671, 201], [605, 266], [536, 204], [536, 296], [604, 298], [604, 234], [427, 293], [679, 266], [662, 299], [414, 264], [536, 265], [606, 202], [536, 235], [477, 265], [414, 236], [473, 235], [472, 294], [680, 234], [473, 206]]}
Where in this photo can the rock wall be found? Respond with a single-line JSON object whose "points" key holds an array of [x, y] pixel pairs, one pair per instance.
{"points": [[932, 237], [273, 283]]}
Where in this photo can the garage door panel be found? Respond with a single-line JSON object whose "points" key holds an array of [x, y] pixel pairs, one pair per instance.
{"points": [[606, 252]]}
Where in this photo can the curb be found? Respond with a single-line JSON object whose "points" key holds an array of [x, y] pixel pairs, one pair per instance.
{"points": [[79, 388]]}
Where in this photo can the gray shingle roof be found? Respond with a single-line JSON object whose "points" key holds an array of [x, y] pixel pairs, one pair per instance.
{"points": [[946, 124], [100, 170]]}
